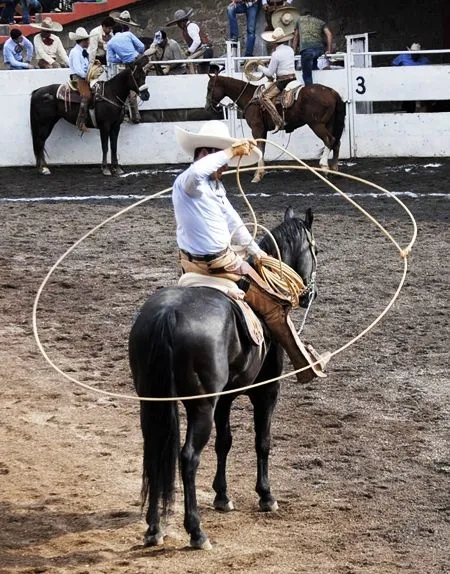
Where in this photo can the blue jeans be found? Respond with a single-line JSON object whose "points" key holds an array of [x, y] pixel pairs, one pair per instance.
{"points": [[251, 12], [309, 62]]}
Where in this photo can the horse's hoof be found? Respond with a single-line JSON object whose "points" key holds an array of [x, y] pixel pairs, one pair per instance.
{"points": [[268, 505], [45, 171], [224, 505], [202, 543], [106, 171], [154, 540]]}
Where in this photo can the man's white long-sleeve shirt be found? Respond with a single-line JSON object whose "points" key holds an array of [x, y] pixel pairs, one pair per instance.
{"points": [[206, 220], [282, 62]]}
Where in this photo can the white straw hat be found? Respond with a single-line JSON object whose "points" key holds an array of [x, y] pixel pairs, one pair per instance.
{"points": [[213, 134], [277, 36], [79, 34], [47, 25]]}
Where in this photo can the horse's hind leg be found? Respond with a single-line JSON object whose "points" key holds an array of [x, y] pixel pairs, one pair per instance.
{"points": [[260, 171], [322, 132], [335, 160], [43, 133], [113, 138], [104, 136], [199, 425], [264, 401], [223, 445]]}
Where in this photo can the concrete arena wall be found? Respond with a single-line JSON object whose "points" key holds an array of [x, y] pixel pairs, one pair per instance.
{"points": [[365, 135]]}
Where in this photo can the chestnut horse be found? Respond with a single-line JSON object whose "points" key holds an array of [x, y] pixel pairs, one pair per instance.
{"points": [[318, 106]]}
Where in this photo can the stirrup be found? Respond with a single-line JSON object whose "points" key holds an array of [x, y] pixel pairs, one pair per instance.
{"points": [[324, 358]]}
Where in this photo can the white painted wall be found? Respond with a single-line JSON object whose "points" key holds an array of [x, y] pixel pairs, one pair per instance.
{"points": [[382, 135]]}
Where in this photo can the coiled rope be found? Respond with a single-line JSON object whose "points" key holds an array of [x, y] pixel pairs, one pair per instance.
{"points": [[404, 252]]}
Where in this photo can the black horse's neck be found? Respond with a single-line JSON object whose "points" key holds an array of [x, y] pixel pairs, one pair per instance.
{"points": [[119, 86]]}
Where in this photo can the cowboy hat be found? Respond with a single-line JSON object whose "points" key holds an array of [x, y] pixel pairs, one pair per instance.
{"points": [[180, 15], [213, 134], [123, 18], [79, 34], [276, 36], [47, 25], [415, 47], [285, 18]]}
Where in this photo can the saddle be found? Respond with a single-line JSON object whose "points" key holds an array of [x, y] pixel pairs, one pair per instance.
{"points": [[252, 325], [68, 93], [288, 96]]}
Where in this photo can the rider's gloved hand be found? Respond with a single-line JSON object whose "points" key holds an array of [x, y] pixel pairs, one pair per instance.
{"points": [[240, 148]]}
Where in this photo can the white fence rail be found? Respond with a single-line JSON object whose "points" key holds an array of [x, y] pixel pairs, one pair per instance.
{"points": [[365, 135]]}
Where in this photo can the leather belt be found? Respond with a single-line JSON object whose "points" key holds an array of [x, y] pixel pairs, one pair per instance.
{"points": [[287, 77], [206, 258]]}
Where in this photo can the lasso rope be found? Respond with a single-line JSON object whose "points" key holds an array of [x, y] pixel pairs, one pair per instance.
{"points": [[403, 253]]}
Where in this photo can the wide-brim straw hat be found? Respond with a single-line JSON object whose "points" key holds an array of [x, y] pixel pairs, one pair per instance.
{"points": [[285, 18], [123, 18], [79, 34], [214, 134], [277, 36], [180, 15], [47, 25]]}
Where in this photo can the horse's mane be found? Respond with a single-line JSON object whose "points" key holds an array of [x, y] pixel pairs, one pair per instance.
{"points": [[286, 235], [236, 81]]}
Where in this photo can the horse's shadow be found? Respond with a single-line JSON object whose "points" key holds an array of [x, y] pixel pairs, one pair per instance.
{"points": [[24, 526]]}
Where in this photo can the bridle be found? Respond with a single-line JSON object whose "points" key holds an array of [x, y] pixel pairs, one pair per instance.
{"points": [[100, 92], [311, 285], [215, 105]]}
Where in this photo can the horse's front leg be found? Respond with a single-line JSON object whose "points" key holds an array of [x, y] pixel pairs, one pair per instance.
{"points": [[223, 446], [260, 171], [264, 401], [104, 136], [199, 425], [114, 137]]}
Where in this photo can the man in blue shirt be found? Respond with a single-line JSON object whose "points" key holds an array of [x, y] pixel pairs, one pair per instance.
{"points": [[79, 68], [13, 51], [122, 50]]}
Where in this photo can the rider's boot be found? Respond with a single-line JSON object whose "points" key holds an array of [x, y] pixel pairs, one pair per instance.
{"points": [[275, 311], [267, 100], [82, 115]]}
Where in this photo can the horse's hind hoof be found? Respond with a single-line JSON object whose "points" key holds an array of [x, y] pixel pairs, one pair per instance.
{"points": [[268, 505], [106, 171], [224, 505], [202, 543], [45, 171], [154, 540]]}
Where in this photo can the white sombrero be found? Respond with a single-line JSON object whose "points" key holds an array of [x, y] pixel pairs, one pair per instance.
{"points": [[123, 18], [180, 15], [213, 134], [285, 18], [47, 25], [277, 36], [79, 34]]}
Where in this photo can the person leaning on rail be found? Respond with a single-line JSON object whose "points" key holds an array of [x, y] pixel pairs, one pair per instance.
{"points": [[50, 52], [163, 49], [206, 223], [18, 51]]}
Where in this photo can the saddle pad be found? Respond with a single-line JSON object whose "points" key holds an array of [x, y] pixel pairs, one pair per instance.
{"points": [[68, 94], [230, 289], [290, 94]]}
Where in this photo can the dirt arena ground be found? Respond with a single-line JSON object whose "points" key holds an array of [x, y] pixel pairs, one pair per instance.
{"points": [[360, 461]]}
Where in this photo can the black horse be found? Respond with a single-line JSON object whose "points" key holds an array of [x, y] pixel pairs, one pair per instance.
{"points": [[190, 341], [46, 109]]}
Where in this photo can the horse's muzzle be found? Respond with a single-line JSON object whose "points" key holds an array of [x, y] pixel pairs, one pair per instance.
{"points": [[144, 94]]}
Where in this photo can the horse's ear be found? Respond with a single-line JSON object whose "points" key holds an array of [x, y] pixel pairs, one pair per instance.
{"points": [[289, 213], [309, 218], [214, 70]]}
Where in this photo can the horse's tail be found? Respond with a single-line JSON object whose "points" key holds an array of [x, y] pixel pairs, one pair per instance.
{"points": [[34, 121], [339, 119], [151, 360]]}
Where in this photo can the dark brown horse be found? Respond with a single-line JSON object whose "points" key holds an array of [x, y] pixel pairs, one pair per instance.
{"points": [[46, 110], [319, 107]]}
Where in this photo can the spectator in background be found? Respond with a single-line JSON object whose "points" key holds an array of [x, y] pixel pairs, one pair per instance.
{"points": [[18, 51], [28, 7], [250, 9], [315, 39], [269, 6], [48, 47], [9, 9], [412, 58], [195, 38], [164, 48], [123, 49], [124, 18], [100, 36]]}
